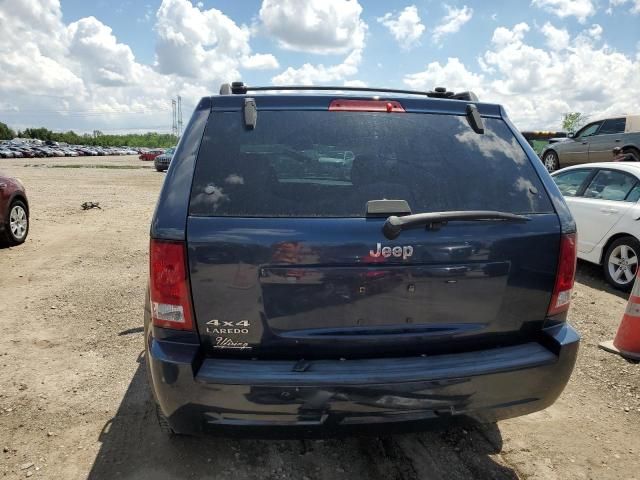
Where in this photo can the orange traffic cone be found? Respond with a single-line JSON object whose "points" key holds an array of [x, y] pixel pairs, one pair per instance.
{"points": [[627, 341]]}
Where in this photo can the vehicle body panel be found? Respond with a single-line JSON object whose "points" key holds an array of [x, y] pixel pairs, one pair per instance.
{"points": [[567, 223], [304, 285], [599, 144], [332, 397], [162, 161], [306, 292], [148, 156], [595, 219], [10, 189], [339, 337], [599, 220]]}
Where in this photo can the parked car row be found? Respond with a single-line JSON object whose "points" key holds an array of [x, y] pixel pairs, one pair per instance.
{"points": [[12, 149], [595, 142]]}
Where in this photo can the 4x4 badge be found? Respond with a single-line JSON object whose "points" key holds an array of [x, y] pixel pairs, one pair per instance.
{"points": [[224, 323], [404, 251]]}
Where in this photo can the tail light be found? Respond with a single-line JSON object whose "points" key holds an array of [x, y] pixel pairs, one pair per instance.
{"points": [[365, 106], [565, 275], [169, 286]]}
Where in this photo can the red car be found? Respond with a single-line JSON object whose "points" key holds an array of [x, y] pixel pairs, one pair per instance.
{"points": [[150, 155], [14, 211]]}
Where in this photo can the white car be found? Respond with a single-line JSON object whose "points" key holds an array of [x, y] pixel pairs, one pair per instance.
{"points": [[603, 198]]}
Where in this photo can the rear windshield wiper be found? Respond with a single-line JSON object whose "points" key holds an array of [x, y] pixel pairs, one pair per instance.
{"points": [[394, 225]]}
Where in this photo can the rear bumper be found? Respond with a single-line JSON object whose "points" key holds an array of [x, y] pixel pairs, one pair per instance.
{"points": [[270, 398]]}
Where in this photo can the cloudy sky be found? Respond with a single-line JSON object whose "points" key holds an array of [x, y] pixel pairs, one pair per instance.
{"points": [[114, 65]]}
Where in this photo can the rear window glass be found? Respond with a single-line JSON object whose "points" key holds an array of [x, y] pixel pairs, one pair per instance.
{"points": [[612, 126], [329, 164]]}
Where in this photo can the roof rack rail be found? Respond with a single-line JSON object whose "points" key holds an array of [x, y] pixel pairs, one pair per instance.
{"points": [[239, 88]]}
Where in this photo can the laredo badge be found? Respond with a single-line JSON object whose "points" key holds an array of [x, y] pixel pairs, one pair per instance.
{"points": [[228, 327]]}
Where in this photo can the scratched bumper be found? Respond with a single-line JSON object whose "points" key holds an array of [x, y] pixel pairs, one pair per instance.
{"points": [[270, 398]]}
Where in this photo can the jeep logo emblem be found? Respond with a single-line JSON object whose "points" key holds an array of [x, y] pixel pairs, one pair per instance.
{"points": [[404, 251]]}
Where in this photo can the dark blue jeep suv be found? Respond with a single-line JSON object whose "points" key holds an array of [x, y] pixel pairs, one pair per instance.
{"points": [[325, 259]]}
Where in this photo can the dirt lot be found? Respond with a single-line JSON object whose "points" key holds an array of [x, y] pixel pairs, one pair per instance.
{"points": [[73, 397]]}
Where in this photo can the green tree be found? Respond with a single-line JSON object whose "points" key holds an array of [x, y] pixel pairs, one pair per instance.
{"points": [[572, 121], [40, 133], [149, 139], [5, 132]]}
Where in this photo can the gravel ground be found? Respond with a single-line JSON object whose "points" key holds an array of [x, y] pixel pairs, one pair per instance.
{"points": [[73, 396]]}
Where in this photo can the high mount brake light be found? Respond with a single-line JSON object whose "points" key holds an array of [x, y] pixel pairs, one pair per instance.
{"points": [[565, 275], [366, 106], [169, 286]]}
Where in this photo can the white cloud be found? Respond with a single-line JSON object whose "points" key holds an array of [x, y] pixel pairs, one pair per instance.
{"points": [[406, 27], [316, 26], [537, 86], [556, 38], [355, 83], [198, 43], [32, 51], [634, 4], [595, 31], [101, 58], [80, 76], [504, 36], [453, 75], [86, 78], [581, 9], [452, 22], [260, 61], [25, 71], [310, 74]]}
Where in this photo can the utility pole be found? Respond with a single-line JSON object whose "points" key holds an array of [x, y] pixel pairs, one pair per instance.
{"points": [[174, 124], [179, 116]]}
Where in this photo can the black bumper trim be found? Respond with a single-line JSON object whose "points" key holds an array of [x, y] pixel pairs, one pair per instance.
{"points": [[374, 371]]}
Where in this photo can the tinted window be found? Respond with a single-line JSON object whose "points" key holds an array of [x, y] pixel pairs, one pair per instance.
{"points": [[312, 163], [610, 185], [634, 194], [614, 125], [570, 182], [588, 130]]}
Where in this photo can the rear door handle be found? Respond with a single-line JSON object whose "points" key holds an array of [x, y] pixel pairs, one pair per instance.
{"points": [[3, 185], [585, 143], [608, 210], [617, 140]]}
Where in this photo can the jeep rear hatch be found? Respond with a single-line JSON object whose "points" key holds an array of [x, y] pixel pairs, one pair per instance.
{"points": [[285, 262]]}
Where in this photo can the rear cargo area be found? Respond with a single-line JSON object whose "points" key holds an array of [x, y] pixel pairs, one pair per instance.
{"points": [[285, 261]]}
